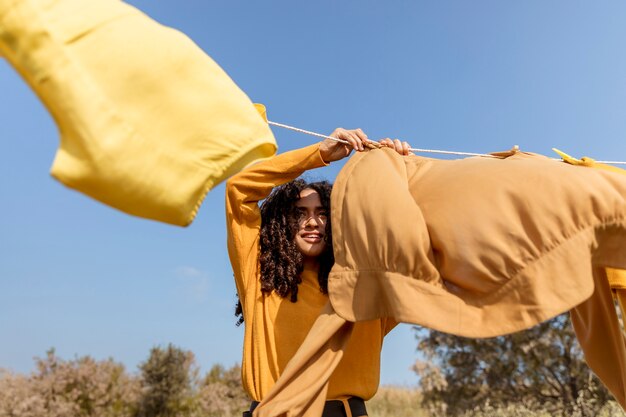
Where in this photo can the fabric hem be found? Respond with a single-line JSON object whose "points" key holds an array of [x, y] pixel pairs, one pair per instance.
{"points": [[533, 295], [244, 157]]}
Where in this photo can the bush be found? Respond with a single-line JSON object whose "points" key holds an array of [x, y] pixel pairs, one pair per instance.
{"points": [[221, 393], [168, 385], [77, 388]]}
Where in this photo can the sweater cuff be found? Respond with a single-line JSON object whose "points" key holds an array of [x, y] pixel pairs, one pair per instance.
{"points": [[310, 157], [321, 161]]}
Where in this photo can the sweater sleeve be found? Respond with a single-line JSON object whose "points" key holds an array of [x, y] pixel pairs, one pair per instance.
{"points": [[243, 216]]}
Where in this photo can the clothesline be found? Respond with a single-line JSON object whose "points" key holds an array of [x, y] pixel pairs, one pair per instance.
{"points": [[417, 150]]}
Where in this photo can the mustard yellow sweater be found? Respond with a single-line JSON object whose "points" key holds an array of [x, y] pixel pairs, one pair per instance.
{"points": [[274, 326]]}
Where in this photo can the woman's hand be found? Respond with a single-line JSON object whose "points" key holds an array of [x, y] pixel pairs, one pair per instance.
{"points": [[333, 151], [402, 148]]}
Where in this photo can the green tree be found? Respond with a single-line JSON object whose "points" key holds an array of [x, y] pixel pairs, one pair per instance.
{"points": [[167, 379], [542, 367]]}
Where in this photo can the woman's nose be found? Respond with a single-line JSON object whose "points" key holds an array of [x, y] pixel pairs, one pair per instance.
{"points": [[313, 221]]}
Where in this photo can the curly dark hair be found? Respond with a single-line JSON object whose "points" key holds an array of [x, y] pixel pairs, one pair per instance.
{"points": [[280, 260]]}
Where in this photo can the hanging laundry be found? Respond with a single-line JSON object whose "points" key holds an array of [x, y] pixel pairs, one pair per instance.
{"points": [[616, 277], [595, 322], [477, 247], [148, 122]]}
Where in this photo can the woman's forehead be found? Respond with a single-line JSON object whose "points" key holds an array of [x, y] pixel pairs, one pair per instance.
{"points": [[309, 198]]}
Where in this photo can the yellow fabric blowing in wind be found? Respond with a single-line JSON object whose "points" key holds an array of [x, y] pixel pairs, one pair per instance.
{"points": [[148, 122]]}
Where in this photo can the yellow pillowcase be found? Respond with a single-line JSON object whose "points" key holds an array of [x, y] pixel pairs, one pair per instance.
{"points": [[148, 122]]}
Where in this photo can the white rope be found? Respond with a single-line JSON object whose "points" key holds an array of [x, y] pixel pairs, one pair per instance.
{"points": [[308, 132], [611, 162], [419, 150]]}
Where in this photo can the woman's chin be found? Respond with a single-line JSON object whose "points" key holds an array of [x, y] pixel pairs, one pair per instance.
{"points": [[310, 250]]}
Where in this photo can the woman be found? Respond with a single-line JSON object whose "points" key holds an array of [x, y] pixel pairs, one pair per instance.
{"points": [[281, 255]]}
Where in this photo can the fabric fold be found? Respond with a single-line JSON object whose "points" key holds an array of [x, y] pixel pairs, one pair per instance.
{"points": [[301, 389]]}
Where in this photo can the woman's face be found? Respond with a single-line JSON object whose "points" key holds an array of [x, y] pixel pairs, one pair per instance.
{"points": [[312, 218]]}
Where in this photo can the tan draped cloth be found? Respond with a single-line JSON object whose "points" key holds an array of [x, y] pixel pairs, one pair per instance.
{"points": [[478, 247], [616, 277]]}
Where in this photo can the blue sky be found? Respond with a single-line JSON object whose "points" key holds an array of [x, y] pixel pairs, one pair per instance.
{"points": [[473, 76]]}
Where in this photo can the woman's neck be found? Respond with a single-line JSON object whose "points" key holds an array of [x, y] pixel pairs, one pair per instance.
{"points": [[310, 264]]}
